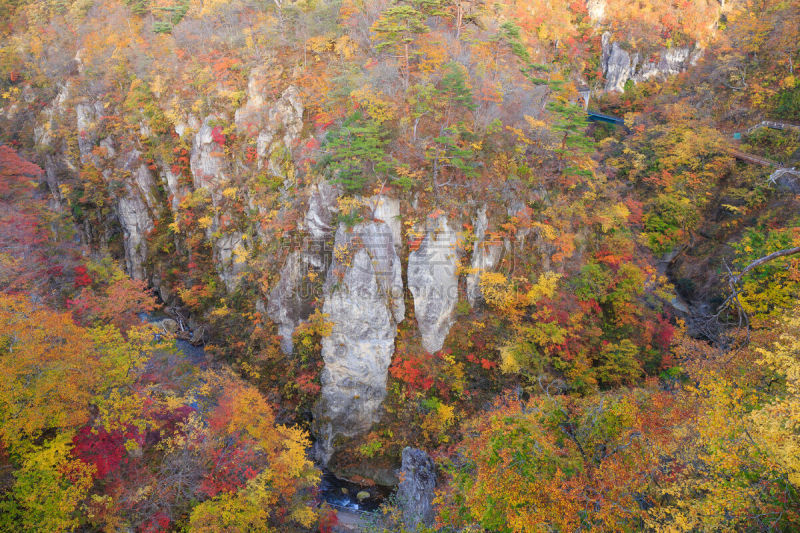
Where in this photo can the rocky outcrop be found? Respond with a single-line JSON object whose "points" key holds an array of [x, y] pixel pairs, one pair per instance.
{"points": [[320, 216], [87, 114], [671, 61], [786, 179], [55, 164], [433, 281], [485, 257], [134, 200], [416, 489], [231, 256], [177, 191], [210, 171], [387, 210], [289, 301], [136, 224], [207, 161], [285, 116], [596, 10], [619, 65], [134, 207], [364, 302], [276, 126]]}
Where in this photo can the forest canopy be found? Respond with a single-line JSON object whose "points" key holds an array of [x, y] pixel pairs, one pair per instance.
{"points": [[463, 265]]}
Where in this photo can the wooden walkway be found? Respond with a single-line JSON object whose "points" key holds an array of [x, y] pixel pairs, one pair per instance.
{"points": [[758, 160], [774, 125], [781, 169]]}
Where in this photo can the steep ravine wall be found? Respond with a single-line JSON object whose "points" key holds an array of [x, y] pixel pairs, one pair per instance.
{"points": [[364, 302], [621, 65], [363, 289]]}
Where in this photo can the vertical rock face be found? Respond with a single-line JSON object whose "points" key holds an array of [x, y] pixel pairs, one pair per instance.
{"points": [[230, 258], [133, 211], [134, 201], [207, 161], [416, 490], [387, 210], [266, 122], [319, 219], [177, 191], [364, 302], [596, 9], [210, 171], [671, 61], [287, 114], [485, 257], [136, 224], [289, 301], [87, 115], [433, 281], [55, 163], [619, 66]]}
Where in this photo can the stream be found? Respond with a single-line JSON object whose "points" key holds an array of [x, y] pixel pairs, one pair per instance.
{"points": [[340, 494]]}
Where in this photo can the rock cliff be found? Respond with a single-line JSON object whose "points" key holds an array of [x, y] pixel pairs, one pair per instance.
{"points": [[621, 65], [486, 255], [364, 301], [433, 280], [289, 301], [416, 489]]}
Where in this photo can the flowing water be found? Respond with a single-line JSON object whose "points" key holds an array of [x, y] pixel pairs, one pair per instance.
{"points": [[340, 494]]}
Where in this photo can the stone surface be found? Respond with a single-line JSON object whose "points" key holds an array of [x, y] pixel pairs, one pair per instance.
{"points": [[207, 161], [267, 121], [168, 325], [619, 65], [617, 68], [485, 257], [319, 220], [597, 10], [364, 302], [135, 201], [210, 170], [87, 115], [176, 190], [289, 301], [433, 282], [786, 179], [671, 61], [387, 210], [416, 490], [136, 224], [231, 259]]}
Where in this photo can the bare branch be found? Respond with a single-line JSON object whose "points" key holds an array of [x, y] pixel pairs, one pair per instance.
{"points": [[766, 259]]}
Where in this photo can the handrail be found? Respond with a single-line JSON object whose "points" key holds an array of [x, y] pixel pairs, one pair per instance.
{"points": [[738, 154], [773, 124], [594, 115]]}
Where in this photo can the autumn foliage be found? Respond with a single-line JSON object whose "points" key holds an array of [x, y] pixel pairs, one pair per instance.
{"points": [[612, 361]]}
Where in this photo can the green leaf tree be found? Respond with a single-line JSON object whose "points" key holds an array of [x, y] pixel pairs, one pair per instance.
{"points": [[357, 151], [396, 29]]}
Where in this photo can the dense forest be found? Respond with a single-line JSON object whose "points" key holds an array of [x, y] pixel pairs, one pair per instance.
{"points": [[403, 265]]}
